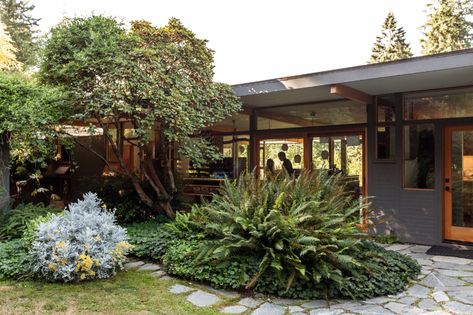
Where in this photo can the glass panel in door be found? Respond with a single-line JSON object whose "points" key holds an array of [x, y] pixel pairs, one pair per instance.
{"points": [[458, 187]]}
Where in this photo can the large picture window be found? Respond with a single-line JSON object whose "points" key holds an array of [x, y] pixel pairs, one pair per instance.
{"points": [[419, 156], [439, 105]]}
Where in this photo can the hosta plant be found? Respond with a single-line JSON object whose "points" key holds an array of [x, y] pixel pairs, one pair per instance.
{"points": [[300, 230], [82, 244]]}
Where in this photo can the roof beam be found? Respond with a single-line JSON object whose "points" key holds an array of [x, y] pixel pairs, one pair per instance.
{"points": [[351, 93]]}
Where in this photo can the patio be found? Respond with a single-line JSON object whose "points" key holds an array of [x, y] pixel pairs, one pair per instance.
{"points": [[444, 287]]}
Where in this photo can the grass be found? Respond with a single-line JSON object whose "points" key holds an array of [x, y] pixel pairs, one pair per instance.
{"points": [[130, 292]]}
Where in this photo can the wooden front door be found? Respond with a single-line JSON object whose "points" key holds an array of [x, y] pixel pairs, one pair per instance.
{"points": [[458, 183]]}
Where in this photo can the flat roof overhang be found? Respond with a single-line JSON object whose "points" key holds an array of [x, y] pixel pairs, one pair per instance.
{"points": [[453, 69]]}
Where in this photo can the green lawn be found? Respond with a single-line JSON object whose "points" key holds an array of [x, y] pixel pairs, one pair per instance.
{"points": [[128, 293]]}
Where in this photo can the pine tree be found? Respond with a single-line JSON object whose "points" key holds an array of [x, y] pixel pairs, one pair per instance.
{"points": [[7, 52], [16, 16], [391, 44], [447, 27]]}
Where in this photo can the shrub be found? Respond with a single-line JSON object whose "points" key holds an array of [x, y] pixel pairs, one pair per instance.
{"points": [[117, 193], [15, 220], [390, 274], [32, 228], [83, 243], [302, 231], [149, 239], [15, 261]]}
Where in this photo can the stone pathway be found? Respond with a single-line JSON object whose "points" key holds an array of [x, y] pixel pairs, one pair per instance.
{"points": [[445, 286]]}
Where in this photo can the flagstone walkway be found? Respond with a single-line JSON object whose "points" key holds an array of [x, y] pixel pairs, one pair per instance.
{"points": [[445, 286]]}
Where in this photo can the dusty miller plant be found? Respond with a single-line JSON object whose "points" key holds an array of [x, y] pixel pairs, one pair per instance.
{"points": [[83, 244]]}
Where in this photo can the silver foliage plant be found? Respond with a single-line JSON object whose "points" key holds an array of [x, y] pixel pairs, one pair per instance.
{"points": [[83, 244]]}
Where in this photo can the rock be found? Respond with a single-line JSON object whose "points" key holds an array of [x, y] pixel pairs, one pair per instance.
{"points": [[326, 311], [436, 313], [295, 309], [396, 307], [458, 308], [279, 301], [419, 249], [428, 304], [178, 289], [452, 260], [436, 280], [202, 298], [149, 267], [440, 296], [133, 265], [298, 313], [454, 273], [158, 274], [408, 300], [398, 247], [250, 302], [315, 304], [418, 291], [450, 266], [370, 310], [269, 309], [346, 304], [234, 309], [224, 293], [464, 297], [379, 300]]}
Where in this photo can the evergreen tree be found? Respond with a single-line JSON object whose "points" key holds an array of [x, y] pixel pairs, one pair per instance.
{"points": [[7, 51], [391, 44], [16, 16], [447, 27]]}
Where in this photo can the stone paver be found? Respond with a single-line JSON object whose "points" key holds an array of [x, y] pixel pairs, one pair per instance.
{"points": [[315, 304], [133, 265], [178, 289], [234, 309], [149, 267], [269, 309], [444, 287], [250, 302], [158, 274], [202, 298], [458, 308], [440, 296], [295, 309], [326, 311]]}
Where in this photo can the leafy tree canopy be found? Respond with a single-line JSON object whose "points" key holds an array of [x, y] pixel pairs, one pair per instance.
{"points": [[29, 115], [447, 28], [158, 78], [21, 25], [7, 51], [391, 44]]}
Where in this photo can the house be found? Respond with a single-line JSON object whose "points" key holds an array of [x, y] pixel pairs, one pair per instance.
{"points": [[402, 130]]}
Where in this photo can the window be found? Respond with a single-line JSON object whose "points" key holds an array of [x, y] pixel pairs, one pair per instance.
{"points": [[419, 156], [446, 104], [386, 143], [385, 128], [312, 115]]}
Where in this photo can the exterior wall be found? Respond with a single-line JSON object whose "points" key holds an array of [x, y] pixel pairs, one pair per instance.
{"points": [[411, 215]]}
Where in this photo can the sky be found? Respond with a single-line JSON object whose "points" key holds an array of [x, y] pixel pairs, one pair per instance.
{"points": [[263, 39]]}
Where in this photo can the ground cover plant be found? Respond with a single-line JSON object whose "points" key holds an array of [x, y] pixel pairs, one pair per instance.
{"points": [[294, 237], [13, 222]]}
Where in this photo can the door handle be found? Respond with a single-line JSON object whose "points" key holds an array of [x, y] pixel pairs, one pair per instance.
{"points": [[447, 188]]}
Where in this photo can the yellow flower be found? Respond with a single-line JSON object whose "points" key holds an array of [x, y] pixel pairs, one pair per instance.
{"points": [[97, 238], [82, 276], [52, 266], [84, 263], [61, 244]]}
